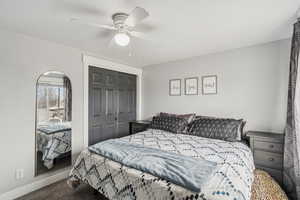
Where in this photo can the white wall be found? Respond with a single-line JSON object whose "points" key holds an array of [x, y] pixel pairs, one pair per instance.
{"points": [[22, 60], [252, 84]]}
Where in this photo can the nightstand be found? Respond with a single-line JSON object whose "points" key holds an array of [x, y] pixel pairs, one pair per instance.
{"points": [[138, 126], [267, 151]]}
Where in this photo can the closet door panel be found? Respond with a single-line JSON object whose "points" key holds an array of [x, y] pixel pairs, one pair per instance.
{"points": [[96, 76], [109, 130], [102, 104], [126, 104], [132, 105], [111, 79], [95, 134], [96, 104], [123, 102], [110, 107], [123, 121], [112, 104], [111, 83], [132, 98]]}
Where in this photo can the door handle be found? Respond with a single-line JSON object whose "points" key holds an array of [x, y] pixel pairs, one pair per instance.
{"points": [[271, 159]]}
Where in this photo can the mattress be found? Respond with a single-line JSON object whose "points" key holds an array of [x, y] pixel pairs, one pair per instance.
{"points": [[232, 178]]}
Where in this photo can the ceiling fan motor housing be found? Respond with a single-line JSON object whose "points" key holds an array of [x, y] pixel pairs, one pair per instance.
{"points": [[119, 21]]}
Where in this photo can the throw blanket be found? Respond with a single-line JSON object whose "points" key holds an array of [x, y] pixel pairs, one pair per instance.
{"points": [[51, 127], [181, 170]]}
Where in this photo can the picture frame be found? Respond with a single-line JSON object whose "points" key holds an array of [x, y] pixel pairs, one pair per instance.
{"points": [[209, 85], [175, 87], [191, 86]]}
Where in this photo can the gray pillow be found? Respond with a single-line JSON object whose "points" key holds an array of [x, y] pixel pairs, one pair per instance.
{"points": [[188, 117], [169, 123], [217, 128]]}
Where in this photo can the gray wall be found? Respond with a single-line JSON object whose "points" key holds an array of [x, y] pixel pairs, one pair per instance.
{"points": [[22, 60], [252, 84]]}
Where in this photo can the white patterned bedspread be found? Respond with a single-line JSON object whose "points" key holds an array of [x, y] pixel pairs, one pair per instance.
{"points": [[232, 178], [53, 145]]}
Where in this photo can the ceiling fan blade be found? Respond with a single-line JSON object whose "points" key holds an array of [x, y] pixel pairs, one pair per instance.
{"points": [[93, 24], [139, 35], [111, 43], [137, 15]]}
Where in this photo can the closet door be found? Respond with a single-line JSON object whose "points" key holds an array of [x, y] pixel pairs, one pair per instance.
{"points": [[126, 111], [102, 104]]}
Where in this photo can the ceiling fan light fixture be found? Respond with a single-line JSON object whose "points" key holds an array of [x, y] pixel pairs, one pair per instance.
{"points": [[122, 39]]}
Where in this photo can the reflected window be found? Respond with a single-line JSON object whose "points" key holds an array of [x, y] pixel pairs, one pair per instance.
{"points": [[51, 100]]}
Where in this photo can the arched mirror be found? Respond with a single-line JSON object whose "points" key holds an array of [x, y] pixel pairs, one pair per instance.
{"points": [[53, 131]]}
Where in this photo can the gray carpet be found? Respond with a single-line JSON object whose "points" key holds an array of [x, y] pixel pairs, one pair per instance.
{"points": [[61, 191]]}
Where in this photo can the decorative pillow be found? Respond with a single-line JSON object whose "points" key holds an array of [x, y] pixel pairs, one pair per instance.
{"points": [[169, 123], [241, 134], [204, 117], [188, 117], [217, 128]]}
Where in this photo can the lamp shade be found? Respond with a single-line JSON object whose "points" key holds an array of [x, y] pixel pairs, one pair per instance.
{"points": [[122, 39]]}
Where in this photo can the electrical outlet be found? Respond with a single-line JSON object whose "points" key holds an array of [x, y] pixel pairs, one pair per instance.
{"points": [[19, 174]]}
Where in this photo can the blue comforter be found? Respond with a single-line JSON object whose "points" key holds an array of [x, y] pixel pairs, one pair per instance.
{"points": [[52, 127], [182, 170]]}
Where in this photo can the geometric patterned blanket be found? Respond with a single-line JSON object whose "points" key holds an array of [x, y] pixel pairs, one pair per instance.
{"points": [[231, 179], [53, 145]]}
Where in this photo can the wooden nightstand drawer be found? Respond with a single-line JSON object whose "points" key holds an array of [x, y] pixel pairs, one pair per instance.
{"points": [[268, 146], [267, 159]]}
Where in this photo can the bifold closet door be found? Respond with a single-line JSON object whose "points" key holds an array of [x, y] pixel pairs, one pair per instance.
{"points": [[112, 104], [126, 103], [102, 104]]}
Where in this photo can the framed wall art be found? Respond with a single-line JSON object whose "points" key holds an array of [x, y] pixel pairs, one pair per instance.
{"points": [[175, 87], [191, 86], [209, 84]]}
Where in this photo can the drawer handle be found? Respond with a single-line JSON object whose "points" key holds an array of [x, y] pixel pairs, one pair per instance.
{"points": [[271, 146], [271, 159]]}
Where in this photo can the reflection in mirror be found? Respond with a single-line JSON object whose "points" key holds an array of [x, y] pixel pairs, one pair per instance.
{"points": [[53, 122]]}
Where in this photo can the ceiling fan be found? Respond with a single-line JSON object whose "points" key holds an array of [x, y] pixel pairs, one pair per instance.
{"points": [[123, 25]]}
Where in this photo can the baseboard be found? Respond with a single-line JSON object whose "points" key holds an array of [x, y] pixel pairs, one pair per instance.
{"points": [[20, 191]]}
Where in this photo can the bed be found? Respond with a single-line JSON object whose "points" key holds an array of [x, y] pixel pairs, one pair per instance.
{"points": [[231, 178], [53, 141]]}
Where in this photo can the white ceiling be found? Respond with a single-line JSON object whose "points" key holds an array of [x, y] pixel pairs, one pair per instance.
{"points": [[176, 29]]}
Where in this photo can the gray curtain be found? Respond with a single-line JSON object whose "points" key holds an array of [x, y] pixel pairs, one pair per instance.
{"points": [[68, 99], [291, 173]]}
